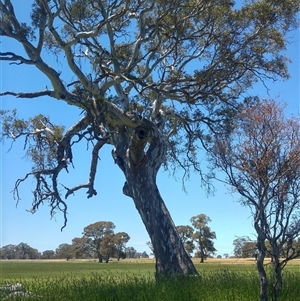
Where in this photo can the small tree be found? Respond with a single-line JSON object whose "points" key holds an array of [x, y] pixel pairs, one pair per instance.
{"points": [[130, 252], [48, 254], [238, 244], [145, 255], [260, 156], [64, 251], [24, 251], [8, 252], [291, 248], [121, 238], [108, 246], [81, 247], [99, 239], [186, 235], [244, 247], [33, 253], [249, 249], [203, 236], [95, 234]]}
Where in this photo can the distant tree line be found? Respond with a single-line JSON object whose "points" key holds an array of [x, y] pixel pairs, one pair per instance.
{"points": [[20, 251], [98, 241], [244, 247]]}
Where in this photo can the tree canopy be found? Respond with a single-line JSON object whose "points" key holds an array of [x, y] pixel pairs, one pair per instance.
{"points": [[150, 77], [203, 236], [99, 238], [20, 251], [244, 247]]}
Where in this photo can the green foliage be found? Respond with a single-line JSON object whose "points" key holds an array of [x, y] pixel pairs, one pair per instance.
{"points": [[38, 15], [186, 236], [207, 53], [203, 236], [11, 124], [201, 54], [41, 137], [21, 29], [99, 239], [65, 251], [20, 251]]}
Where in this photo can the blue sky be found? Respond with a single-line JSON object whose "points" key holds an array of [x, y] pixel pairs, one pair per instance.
{"points": [[229, 218]]}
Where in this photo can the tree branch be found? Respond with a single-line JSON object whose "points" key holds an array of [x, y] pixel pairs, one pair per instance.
{"points": [[47, 92], [44, 192], [10, 56], [93, 169]]}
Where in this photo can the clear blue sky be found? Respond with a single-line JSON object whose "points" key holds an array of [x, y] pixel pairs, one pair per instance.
{"points": [[229, 218]]}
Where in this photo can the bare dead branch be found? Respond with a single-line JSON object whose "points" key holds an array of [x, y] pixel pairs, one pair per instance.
{"points": [[10, 56], [29, 94], [93, 169]]}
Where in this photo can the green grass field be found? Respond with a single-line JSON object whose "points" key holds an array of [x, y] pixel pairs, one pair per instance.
{"points": [[222, 280]]}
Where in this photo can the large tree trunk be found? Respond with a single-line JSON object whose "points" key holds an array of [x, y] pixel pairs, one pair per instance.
{"points": [[140, 168], [171, 256], [100, 257]]}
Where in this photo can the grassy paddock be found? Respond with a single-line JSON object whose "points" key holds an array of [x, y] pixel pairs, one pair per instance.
{"points": [[88, 280], [28, 269]]}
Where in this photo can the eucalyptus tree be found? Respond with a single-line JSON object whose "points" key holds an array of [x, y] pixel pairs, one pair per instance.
{"points": [[20, 251], [121, 238], [48, 254], [239, 247], [150, 77], [260, 157], [8, 252], [130, 252], [186, 236], [64, 250], [96, 237], [81, 248], [203, 236], [24, 251]]}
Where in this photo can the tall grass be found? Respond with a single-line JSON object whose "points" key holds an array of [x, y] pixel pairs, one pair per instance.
{"points": [[136, 282], [213, 285]]}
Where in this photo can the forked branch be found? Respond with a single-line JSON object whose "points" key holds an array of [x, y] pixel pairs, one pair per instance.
{"points": [[93, 169]]}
